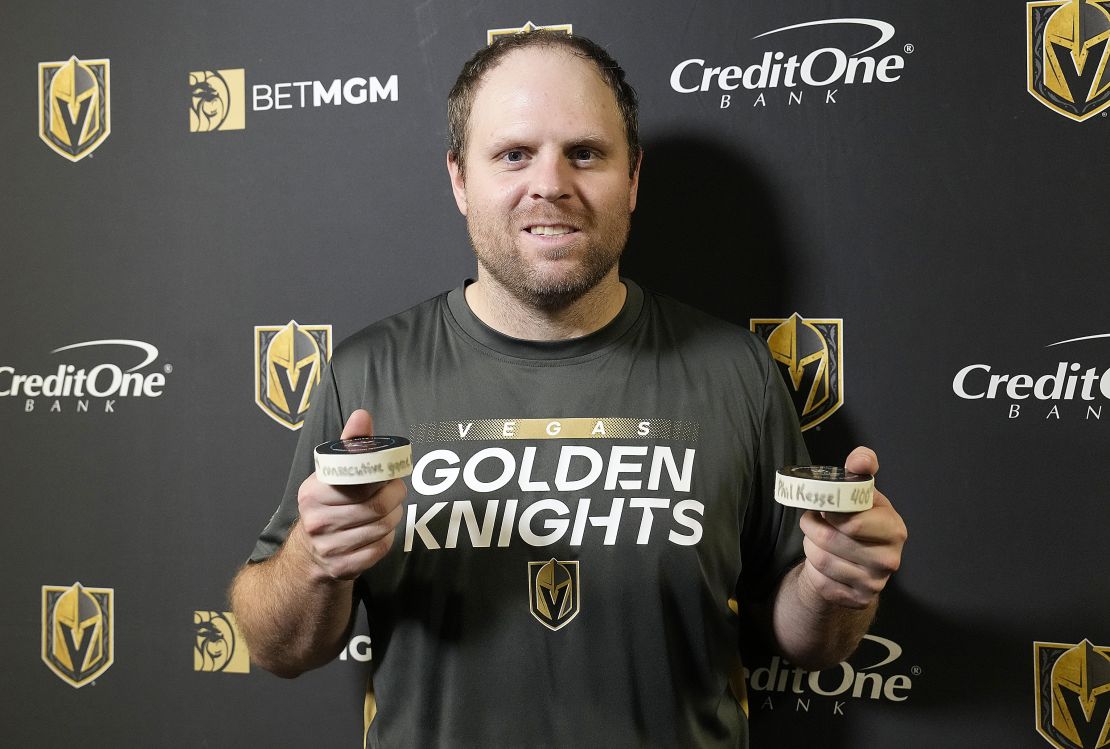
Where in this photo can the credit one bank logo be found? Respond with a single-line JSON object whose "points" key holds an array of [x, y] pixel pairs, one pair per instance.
{"points": [[1061, 385], [71, 386], [780, 684], [789, 69]]}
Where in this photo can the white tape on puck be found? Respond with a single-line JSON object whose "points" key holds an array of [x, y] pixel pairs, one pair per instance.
{"points": [[824, 488], [363, 460]]}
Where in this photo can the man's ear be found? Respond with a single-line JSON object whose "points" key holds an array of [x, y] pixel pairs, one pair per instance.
{"points": [[635, 181], [458, 185]]}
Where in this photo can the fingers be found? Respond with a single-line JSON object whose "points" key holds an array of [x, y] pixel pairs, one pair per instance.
{"points": [[851, 556], [347, 553], [877, 548], [345, 538], [862, 460], [348, 529], [880, 524], [359, 424], [838, 581], [332, 510]]}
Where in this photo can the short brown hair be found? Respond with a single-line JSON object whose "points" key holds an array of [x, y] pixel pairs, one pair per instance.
{"points": [[461, 98]]}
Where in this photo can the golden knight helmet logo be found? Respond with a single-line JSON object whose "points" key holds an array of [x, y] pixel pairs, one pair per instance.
{"points": [[289, 360], [1068, 50], [1073, 694], [74, 114], [492, 34], [809, 355], [553, 592], [77, 632]]}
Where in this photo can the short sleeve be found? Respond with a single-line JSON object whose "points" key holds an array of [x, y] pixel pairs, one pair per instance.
{"points": [[771, 540], [322, 423]]}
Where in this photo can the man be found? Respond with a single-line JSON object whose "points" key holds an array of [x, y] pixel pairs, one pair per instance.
{"points": [[593, 467]]}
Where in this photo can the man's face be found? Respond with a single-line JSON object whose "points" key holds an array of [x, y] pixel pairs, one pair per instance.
{"points": [[546, 193]]}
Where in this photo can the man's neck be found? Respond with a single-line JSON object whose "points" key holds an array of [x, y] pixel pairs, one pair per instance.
{"points": [[496, 307]]}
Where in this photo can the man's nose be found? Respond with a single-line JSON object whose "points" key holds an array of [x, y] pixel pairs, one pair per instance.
{"points": [[551, 177]]}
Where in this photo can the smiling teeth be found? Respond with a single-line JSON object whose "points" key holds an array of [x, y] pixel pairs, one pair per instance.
{"points": [[550, 231]]}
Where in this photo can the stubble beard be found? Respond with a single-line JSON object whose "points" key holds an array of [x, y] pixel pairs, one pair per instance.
{"points": [[495, 245]]}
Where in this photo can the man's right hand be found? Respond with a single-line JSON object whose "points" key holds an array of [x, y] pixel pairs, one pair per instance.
{"points": [[346, 530]]}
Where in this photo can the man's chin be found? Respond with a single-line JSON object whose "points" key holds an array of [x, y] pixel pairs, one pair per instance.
{"points": [[550, 283], [551, 298]]}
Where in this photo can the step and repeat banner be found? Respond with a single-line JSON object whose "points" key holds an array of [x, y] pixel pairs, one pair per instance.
{"points": [[907, 200]]}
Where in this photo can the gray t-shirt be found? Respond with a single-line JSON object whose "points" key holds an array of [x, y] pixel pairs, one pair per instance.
{"points": [[580, 515]]}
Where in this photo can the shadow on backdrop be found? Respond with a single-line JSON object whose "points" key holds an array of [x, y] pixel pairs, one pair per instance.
{"points": [[706, 230]]}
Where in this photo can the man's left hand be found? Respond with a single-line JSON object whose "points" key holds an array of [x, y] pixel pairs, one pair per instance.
{"points": [[850, 556]]}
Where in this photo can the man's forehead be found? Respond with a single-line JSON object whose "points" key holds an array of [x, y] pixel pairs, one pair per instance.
{"points": [[523, 66]]}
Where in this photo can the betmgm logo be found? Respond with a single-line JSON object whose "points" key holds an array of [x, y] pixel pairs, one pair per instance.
{"points": [[492, 34], [1073, 694], [810, 355], [218, 645], [288, 362], [74, 106], [554, 592], [77, 632], [1068, 51], [217, 100]]}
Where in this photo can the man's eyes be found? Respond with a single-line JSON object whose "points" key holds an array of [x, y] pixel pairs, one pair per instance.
{"points": [[520, 155]]}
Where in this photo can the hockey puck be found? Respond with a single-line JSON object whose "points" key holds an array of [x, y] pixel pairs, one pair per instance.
{"points": [[824, 488], [363, 460]]}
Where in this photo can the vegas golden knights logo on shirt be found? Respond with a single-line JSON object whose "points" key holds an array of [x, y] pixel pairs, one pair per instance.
{"points": [[218, 646], [77, 632], [74, 106], [1073, 694], [288, 362], [492, 34], [810, 357], [217, 100], [1068, 50], [554, 595]]}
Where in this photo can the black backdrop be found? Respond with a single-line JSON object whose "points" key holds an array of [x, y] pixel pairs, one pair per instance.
{"points": [[946, 218]]}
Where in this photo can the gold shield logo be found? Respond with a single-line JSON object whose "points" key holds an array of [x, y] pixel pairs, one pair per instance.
{"points": [[74, 106], [77, 632], [1068, 50], [810, 357], [1073, 694], [289, 360], [218, 646], [554, 595], [492, 34], [217, 100]]}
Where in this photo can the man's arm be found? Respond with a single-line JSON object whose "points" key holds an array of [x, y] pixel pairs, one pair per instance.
{"points": [[296, 607], [825, 605]]}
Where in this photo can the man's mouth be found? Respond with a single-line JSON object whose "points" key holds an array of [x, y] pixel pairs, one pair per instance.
{"points": [[550, 230]]}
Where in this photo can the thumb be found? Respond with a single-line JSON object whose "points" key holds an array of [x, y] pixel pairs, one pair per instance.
{"points": [[862, 460], [358, 425]]}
